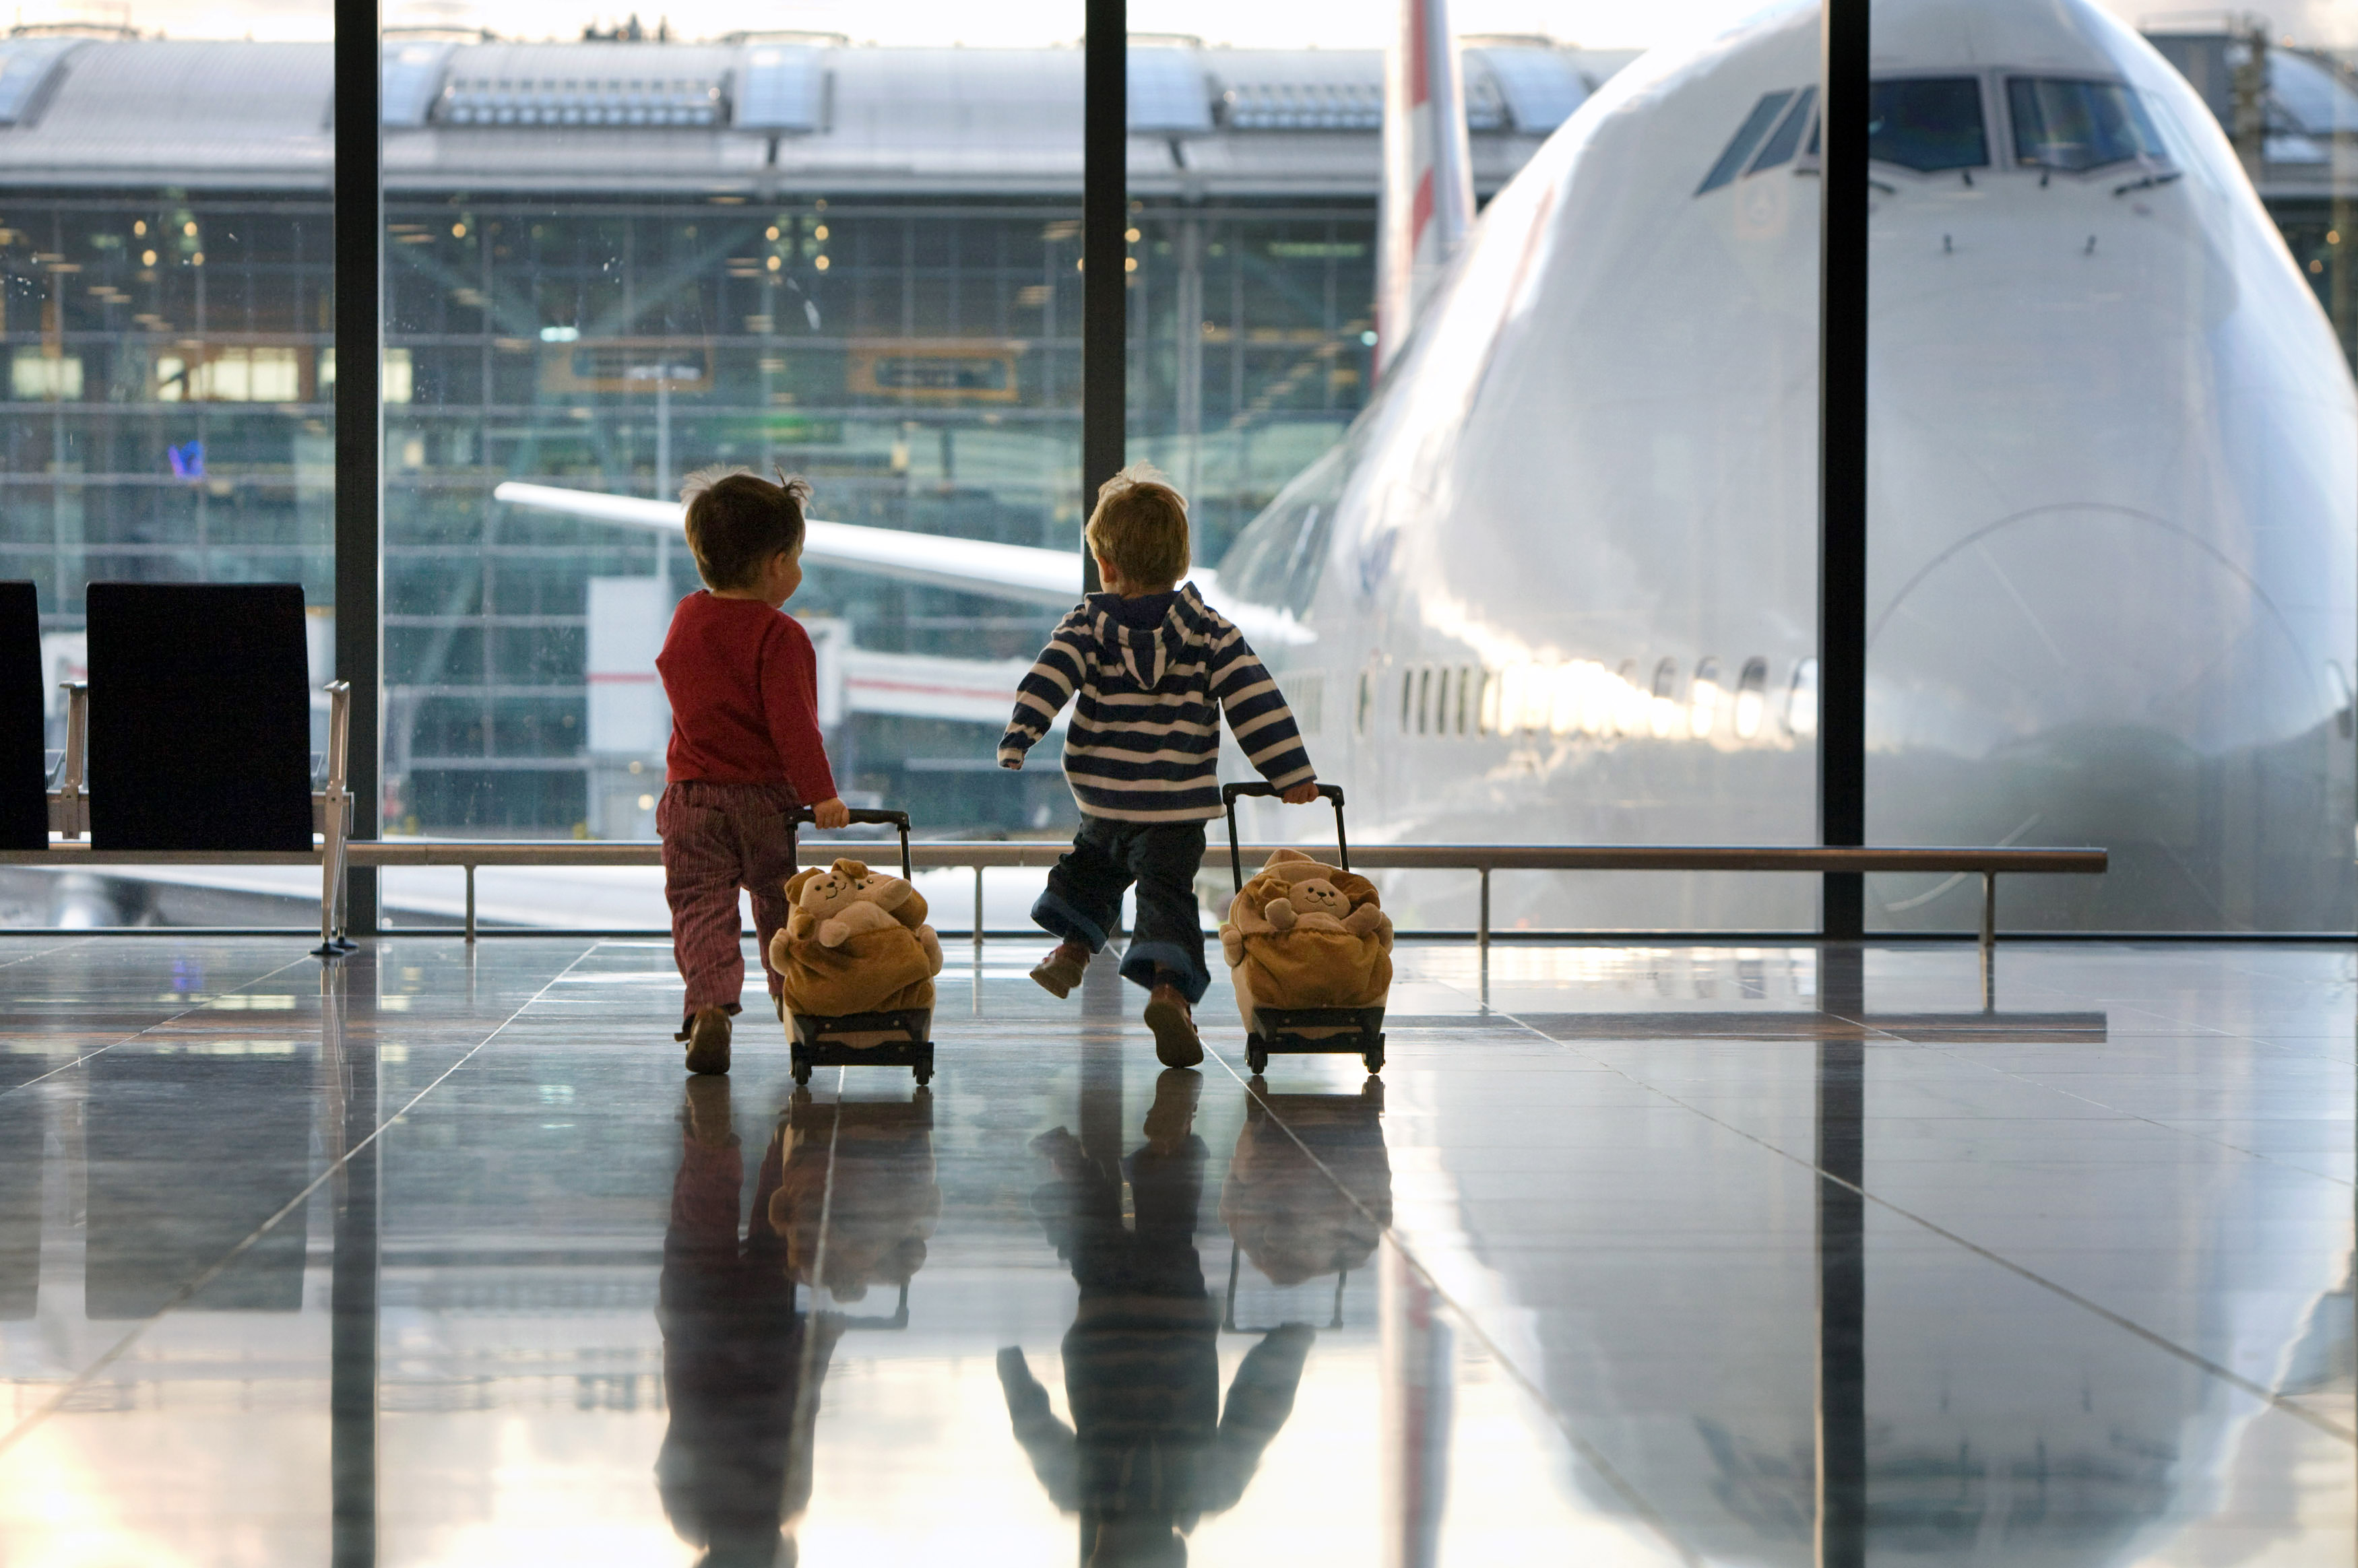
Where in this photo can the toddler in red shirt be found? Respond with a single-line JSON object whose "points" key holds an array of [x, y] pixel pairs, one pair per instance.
{"points": [[745, 745]]}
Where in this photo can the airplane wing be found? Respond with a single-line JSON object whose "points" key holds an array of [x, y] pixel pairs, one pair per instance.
{"points": [[1024, 572], [972, 566]]}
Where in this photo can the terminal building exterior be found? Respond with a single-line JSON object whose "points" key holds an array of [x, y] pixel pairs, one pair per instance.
{"points": [[611, 262]]}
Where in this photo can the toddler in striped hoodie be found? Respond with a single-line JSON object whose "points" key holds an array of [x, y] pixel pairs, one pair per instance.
{"points": [[1150, 669]]}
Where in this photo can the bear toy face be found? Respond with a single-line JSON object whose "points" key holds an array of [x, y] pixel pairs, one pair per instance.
{"points": [[829, 893], [1319, 897]]}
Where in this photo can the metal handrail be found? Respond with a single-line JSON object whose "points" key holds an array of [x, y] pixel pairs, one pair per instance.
{"points": [[1484, 859]]}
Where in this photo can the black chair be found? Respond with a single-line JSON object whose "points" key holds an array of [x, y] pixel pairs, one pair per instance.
{"points": [[24, 738], [199, 718]]}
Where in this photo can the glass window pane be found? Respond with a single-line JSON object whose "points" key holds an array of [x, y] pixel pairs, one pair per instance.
{"points": [[1747, 136], [2123, 620], [2076, 126], [615, 261], [1928, 124], [167, 362], [1780, 146]]}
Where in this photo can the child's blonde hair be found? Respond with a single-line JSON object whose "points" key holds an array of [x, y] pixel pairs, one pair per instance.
{"points": [[1140, 527]]}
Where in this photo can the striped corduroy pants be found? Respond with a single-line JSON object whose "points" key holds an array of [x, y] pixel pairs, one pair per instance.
{"points": [[717, 838]]}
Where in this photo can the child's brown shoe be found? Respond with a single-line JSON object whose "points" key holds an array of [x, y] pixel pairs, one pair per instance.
{"points": [[707, 1041], [1176, 1043], [1061, 970]]}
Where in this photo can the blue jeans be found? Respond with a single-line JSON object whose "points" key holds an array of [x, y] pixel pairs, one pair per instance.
{"points": [[1083, 897]]}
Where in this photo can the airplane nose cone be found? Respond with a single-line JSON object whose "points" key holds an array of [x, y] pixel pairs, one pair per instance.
{"points": [[2089, 674]]}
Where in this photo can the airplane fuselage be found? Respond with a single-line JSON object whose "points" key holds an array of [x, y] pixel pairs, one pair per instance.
{"points": [[1559, 585]]}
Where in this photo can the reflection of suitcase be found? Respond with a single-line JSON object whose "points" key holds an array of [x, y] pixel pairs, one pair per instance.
{"points": [[807, 1114], [1365, 1108], [897, 1039], [1298, 1031]]}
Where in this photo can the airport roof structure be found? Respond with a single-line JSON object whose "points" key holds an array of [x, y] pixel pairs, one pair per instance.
{"points": [[757, 116]]}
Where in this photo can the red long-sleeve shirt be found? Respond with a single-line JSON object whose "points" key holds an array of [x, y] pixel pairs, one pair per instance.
{"points": [[743, 683]]}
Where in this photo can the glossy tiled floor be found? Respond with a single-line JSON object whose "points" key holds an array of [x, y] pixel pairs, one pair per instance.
{"points": [[1654, 1256]]}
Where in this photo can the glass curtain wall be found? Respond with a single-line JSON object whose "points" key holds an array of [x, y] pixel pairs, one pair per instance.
{"points": [[614, 260], [2116, 470], [165, 400]]}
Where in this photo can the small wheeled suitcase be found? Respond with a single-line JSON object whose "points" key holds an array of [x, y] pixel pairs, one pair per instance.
{"points": [[1320, 1031], [900, 1038]]}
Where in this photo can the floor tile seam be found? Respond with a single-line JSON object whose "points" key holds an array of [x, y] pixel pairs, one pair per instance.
{"points": [[807, 1376], [151, 1029], [180, 1298], [1588, 1453], [49, 949], [2160, 1341], [2133, 1115]]}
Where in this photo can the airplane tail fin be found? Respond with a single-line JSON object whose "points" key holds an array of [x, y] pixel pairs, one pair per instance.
{"points": [[1428, 192]]}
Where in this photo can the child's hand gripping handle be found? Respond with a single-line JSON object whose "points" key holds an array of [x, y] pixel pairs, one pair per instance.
{"points": [[899, 820], [1228, 793]]}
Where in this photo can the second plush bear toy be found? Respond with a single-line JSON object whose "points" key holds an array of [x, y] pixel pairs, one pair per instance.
{"points": [[847, 899], [1316, 905], [1304, 934]]}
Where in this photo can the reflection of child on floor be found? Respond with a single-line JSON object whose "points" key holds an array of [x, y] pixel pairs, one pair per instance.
{"points": [[735, 1468], [1150, 1451]]}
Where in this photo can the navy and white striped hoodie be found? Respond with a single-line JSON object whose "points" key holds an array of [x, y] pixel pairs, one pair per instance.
{"points": [[1144, 742]]}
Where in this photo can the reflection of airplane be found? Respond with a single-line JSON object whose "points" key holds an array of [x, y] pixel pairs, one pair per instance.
{"points": [[2004, 1423], [1559, 583]]}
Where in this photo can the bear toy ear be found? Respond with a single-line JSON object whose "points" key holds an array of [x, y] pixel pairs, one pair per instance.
{"points": [[799, 880], [853, 871]]}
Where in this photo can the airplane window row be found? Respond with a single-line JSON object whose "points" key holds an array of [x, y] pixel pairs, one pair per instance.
{"points": [[1935, 124], [1587, 698]]}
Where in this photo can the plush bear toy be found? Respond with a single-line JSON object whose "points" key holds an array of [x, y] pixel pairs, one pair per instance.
{"points": [[847, 898], [1306, 934], [1317, 904], [855, 941], [837, 905]]}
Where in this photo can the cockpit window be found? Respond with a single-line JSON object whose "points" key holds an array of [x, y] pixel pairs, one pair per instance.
{"points": [[1279, 559], [1780, 148], [2074, 126], [1928, 124], [1747, 136]]}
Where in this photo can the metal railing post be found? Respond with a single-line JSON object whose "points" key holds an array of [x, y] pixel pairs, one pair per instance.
{"points": [[977, 921], [471, 901], [333, 810], [71, 787], [1989, 909]]}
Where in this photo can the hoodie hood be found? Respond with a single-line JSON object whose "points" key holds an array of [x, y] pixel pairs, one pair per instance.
{"points": [[1148, 651]]}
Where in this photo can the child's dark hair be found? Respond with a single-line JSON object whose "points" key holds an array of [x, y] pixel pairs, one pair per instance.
{"points": [[736, 519]]}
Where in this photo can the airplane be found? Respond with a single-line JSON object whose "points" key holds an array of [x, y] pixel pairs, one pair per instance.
{"points": [[1558, 583]]}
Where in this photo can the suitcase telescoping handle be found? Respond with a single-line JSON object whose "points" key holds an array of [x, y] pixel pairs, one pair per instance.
{"points": [[899, 820], [1228, 793]]}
